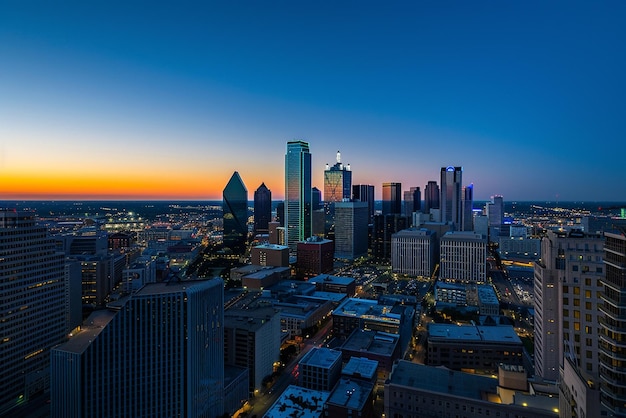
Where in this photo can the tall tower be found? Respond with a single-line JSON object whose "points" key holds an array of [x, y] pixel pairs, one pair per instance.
{"points": [[298, 218], [365, 193], [161, 350], [262, 209], [451, 180], [32, 306], [468, 205], [351, 220], [431, 196], [412, 201], [613, 325], [235, 208], [337, 181], [392, 198]]}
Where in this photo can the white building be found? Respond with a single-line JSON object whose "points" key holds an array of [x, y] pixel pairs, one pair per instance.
{"points": [[413, 252], [463, 257]]}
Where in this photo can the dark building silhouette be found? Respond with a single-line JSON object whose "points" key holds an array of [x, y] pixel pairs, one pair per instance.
{"points": [[451, 195], [280, 213], [412, 201], [365, 193], [392, 198], [235, 208], [316, 198], [262, 209], [431, 196], [384, 227], [468, 204]]}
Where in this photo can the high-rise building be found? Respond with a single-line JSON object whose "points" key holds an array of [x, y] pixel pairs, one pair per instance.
{"points": [[463, 257], [383, 229], [613, 325], [262, 209], [451, 195], [298, 218], [161, 353], [431, 196], [392, 198], [351, 220], [32, 306], [467, 223], [337, 181], [412, 201], [495, 214], [316, 198], [235, 208], [414, 251], [365, 193]]}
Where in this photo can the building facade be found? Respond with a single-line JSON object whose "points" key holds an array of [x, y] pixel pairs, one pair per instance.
{"points": [[33, 306], [463, 257], [262, 209], [351, 221], [235, 214], [451, 196], [298, 210], [392, 198], [365, 193], [414, 252]]}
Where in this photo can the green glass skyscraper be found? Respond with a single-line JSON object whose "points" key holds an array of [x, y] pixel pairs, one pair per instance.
{"points": [[298, 216]]}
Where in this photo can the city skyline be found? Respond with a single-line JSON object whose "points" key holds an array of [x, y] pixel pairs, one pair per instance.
{"points": [[122, 101]]}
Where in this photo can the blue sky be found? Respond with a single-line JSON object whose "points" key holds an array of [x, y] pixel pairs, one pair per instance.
{"points": [[527, 97]]}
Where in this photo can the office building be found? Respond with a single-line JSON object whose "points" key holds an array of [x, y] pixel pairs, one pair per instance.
{"points": [[160, 353], [297, 193], [351, 399], [365, 193], [467, 213], [412, 201], [383, 229], [270, 255], [334, 284], [613, 325], [235, 209], [431, 196], [451, 196], [33, 306], [262, 209], [351, 226], [463, 257], [414, 252], [315, 256], [320, 369], [299, 402], [392, 198], [252, 340], [316, 199], [337, 181]]}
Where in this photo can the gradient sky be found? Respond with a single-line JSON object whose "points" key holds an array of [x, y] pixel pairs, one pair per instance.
{"points": [[113, 100]]}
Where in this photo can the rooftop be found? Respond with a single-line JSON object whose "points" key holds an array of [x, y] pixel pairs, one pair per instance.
{"points": [[321, 357], [298, 402], [374, 342], [327, 278], [91, 328], [360, 367], [468, 332], [351, 393]]}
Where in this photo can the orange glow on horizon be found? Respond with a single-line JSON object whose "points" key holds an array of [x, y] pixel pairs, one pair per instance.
{"points": [[166, 186]]}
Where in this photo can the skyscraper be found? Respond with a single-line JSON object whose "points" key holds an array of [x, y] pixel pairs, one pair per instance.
{"points": [[351, 219], [235, 208], [161, 353], [262, 209], [392, 198], [337, 181], [365, 193], [298, 216], [431, 196], [613, 325], [451, 180], [32, 306], [467, 223], [412, 201]]}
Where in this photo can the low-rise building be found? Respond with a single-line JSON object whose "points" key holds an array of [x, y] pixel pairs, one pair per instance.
{"points": [[320, 369]]}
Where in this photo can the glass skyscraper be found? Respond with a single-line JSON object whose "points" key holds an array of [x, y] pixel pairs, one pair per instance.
{"points": [[235, 208], [365, 193], [337, 182], [298, 213], [451, 196], [392, 198], [262, 209], [431, 196]]}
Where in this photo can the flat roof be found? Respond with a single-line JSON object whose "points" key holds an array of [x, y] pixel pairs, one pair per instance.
{"points": [[366, 308], [298, 402], [351, 393], [360, 366], [468, 332], [442, 380], [173, 286], [90, 329], [271, 247], [372, 341], [327, 278], [321, 357]]}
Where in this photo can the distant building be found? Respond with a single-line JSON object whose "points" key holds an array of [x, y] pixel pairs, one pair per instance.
{"points": [[351, 226], [262, 209], [467, 206], [235, 209], [414, 252], [320, 369], [34, 314], [383, 348], [315, 256], [297, 193], [384, 228], [463, 257], [166, 342], [392, 198], [270, 255], [365, 193], [412, 201], [431, 196], [451, 196], [334, 284], [361, 368], [337, 181]]}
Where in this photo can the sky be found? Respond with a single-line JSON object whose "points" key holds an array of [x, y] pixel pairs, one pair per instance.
{"points": [[151, 100]]}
